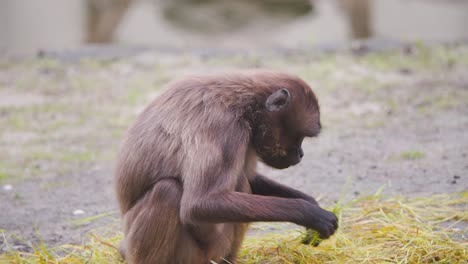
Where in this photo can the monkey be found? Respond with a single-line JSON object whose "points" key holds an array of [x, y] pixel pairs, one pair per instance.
{"points": [[186, 178]]}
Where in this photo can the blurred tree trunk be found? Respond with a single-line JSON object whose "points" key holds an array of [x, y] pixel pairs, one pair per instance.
{"points": [[359, 14], [103, 17]]}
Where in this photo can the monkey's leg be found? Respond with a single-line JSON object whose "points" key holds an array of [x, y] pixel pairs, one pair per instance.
{"points": [[154, 233], [240, 230]]}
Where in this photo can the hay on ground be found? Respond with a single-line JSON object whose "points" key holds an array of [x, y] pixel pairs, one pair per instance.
{"points": [[372, 230]]}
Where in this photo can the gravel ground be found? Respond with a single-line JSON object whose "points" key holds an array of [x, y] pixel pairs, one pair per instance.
{"points": [[395, 119]]}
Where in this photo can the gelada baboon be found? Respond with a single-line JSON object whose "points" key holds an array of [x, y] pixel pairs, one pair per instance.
{"points": [[186, 176]]}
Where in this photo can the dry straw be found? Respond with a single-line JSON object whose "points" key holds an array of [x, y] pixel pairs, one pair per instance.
{"points": [[372, 230]]}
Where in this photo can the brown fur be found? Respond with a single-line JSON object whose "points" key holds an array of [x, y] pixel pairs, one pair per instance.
{"points": [[186, 175]]}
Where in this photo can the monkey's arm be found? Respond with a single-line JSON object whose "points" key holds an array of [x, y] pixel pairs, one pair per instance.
{"points": [[241, 207], [209, 182], [211, 199], [262, 185]]}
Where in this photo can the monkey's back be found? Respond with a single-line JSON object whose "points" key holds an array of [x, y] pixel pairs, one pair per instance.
{"points": [[155, 146]]}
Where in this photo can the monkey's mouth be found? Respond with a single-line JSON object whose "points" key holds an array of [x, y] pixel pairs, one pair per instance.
{"points": [[295, 160]]}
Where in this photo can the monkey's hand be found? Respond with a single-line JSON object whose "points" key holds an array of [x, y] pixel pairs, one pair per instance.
{"points": [[320, 220]]}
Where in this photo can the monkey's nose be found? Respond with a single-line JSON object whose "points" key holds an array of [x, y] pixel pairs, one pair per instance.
{"points": [[300, 152]]}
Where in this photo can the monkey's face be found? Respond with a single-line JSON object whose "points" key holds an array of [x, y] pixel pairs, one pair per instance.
{"points": [[286, 123]]}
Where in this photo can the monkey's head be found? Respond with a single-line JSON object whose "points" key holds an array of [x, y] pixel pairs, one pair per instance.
{"points": [[289, 114]]}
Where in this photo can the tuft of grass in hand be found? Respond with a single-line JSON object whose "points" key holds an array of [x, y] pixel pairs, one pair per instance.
{"points": [[312, 238]]}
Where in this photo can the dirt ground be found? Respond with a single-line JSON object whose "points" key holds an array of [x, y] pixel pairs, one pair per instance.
{"points": [[395, 120]]}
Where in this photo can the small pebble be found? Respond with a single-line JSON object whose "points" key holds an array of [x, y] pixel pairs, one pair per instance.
{"points": [[456, 177], [405, 71], [78, 212], [453, 182], [7, 187]]}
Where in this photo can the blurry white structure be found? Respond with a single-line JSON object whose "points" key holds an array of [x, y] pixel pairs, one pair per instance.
{"points": [[29, 25]]}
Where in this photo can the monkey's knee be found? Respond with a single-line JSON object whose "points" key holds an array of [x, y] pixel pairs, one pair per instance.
{"points": [[168, 190], [153, 226]]}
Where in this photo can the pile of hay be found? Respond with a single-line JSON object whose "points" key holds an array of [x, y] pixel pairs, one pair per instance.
{"points": [[372, 230], [375, 230]]}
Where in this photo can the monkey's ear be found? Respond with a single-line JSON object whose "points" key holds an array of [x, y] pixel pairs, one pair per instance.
{"points": [[278, 100]]}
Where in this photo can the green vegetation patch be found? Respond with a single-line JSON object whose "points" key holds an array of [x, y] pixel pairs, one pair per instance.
{"points": [[412, 155], [372, 230], [3, 176]]}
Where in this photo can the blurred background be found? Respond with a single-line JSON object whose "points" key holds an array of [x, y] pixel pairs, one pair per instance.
{"points": [[28, 26], [74, 74]]}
